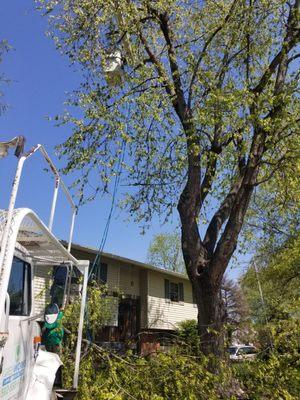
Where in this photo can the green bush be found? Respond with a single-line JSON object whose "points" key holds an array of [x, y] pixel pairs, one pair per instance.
{"points": [[275, 374], [97, 314], [188, 335]]}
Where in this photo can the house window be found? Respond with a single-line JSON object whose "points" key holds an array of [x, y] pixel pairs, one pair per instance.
{"points": [[99, 272], [60, 280], [19, 288], [174, 291]]}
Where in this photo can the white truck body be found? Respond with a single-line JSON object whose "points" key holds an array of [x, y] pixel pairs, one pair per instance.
{"points": [[26, 242]]}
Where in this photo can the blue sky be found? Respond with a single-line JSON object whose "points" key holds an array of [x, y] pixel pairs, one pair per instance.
{"points": [[40, 78]]}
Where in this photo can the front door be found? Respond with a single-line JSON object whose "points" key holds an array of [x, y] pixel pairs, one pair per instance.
{"points": [[18, 350], [128, 321]]}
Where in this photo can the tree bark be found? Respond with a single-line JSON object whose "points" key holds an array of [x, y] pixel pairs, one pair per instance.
{"points": [[210, 317]]}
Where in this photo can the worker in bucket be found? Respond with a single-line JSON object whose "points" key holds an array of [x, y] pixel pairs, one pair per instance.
{"points": [[53, 331]]}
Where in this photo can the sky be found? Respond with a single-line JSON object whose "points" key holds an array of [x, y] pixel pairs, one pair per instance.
{"points": [[40, 79]]}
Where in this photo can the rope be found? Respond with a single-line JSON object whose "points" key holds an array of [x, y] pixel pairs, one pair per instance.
{"points": [[106, 230], [103, 240], [107, 225]]}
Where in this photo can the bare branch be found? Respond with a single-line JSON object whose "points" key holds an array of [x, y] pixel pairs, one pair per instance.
{"points": [[272, 229], [293, 58], [159, 67], [219, 218], [175, 71]]}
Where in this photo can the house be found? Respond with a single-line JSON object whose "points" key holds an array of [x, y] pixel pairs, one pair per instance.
{"points": [[152, 303]]}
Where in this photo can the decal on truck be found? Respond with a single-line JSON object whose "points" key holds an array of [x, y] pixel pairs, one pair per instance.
{"points": [[11, 378]]}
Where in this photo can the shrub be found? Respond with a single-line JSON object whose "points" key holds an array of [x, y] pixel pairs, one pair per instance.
{"points": [[188, 335], [275, 374], [169, 375]]}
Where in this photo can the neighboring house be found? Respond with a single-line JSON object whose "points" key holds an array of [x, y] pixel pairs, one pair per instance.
{"points": [[150, 302]]}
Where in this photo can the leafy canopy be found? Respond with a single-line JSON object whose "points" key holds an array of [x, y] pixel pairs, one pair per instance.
{"points": [[280, 278], [215, 55], [165, 252]]}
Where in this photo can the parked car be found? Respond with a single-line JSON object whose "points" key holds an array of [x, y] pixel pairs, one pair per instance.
{"points": [[242, 352]]}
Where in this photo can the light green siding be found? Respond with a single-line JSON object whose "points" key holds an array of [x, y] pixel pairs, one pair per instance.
{"points": [[163, 313]]}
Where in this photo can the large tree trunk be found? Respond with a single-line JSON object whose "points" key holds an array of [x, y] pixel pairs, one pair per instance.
{"points": [[206, 268], [210, 318], [210, 314]]}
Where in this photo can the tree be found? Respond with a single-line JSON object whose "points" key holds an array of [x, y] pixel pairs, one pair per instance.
{"points": [[236, 318], [279, 278], [165, 252], [236, 315], [271, 287], [200, 110], [274, 213]]}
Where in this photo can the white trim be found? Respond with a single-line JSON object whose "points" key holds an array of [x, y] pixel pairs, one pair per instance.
{"points": [[84, 266]]}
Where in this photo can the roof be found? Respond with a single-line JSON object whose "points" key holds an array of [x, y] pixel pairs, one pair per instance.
{"points": [[127, 260]]}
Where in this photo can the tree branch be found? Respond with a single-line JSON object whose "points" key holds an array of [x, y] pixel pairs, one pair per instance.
{"points": [[159, 68], [208, 177], [219, 218], [274, 170], [203, 51], [228, 240], [175, 71], [293, 58], [215, 150], [290, 40]]}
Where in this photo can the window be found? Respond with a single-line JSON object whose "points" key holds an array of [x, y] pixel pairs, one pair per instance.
{"points": [[102, 273], [246, 350], [19, 288], [174, 291], [232, 350], [60, 281], [99, 272]]}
